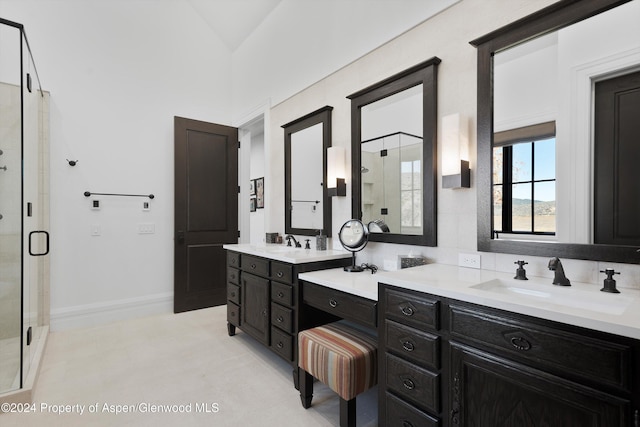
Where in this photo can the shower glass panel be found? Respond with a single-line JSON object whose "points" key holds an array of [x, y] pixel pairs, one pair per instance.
{"points": [[10, 208], [24, 195]]}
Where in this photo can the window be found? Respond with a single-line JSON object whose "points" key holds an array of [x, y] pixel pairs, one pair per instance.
{"points": [[524, 181], [411, 193]]}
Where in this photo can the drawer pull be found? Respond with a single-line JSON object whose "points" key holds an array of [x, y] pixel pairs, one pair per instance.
{"points": [[253, 266], [408, 384], [406, 423], [280, 294], [264, 313], [407, 311], [408, 346], [280, 319], [520, 343], [333, 303], [233, 276], [280, 345], [279, 274], [233, 294]]}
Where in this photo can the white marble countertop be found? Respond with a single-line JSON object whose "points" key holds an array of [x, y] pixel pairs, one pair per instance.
{"points": [[580, 304], [286, 253]]}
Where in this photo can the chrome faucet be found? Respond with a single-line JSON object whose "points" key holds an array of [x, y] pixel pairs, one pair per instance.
{"points": [[289, 237], [559, 278]]}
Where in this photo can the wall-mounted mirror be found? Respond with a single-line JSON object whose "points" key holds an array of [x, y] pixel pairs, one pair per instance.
{"points": [[393, 155], [556, 159], [307, 205]]}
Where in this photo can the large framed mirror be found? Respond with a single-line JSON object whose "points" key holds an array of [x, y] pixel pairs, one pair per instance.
{"points": [[394, 154], [558, 101], [307, 204]]}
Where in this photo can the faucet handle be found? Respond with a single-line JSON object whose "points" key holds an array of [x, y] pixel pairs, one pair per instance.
{"points": [[521, 273], [609, 283]]}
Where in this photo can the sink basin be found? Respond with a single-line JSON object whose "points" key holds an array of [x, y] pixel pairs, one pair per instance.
{"points": [[571, 296]]}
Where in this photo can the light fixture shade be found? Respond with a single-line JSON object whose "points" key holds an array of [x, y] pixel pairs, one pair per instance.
{"points": [[455, 152], [336, 171]]}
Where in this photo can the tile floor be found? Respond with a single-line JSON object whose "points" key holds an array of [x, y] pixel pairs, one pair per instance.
{"points": [[174, 359]]}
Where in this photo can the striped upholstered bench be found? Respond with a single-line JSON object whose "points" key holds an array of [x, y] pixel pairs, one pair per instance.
{"points": [[342, 356]]}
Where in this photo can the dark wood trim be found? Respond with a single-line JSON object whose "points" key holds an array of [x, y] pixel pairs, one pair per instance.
{"points": [[390, 80], [321, 115], [426, 74], [558, 15]]}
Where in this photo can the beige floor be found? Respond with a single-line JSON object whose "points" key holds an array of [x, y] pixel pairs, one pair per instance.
{"points": [[185, 359]]}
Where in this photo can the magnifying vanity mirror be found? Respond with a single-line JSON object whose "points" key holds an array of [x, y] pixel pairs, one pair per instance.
{"points": [[393, 125], [353, 236], [307, 205], [558, 107]]}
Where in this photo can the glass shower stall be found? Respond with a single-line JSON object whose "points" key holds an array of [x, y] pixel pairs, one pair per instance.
{"points": [[24, 212]]}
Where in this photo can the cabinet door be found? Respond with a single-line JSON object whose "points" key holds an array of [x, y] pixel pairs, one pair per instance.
{"points": [[255, 307], [489, 391]]}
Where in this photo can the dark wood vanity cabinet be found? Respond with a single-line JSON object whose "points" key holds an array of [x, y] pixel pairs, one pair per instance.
{"points": [[263, 299], [468, 365], [410, 369]]}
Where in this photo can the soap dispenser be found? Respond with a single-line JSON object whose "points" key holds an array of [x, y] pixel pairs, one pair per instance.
{"points": [[321, 241]]}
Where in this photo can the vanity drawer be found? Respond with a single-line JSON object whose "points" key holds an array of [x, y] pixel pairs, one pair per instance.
{"points": [[233, 275], [282, 294], [413, 383], [282, 317], [419, 347], [401, 414], [233, 314], [233, 259], [568, 353], [282, 343], [341, 304], [255, 265], [281, 271], [233, 293], [412, 309]]}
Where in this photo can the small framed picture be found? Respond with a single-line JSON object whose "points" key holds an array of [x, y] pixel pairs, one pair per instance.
{"points": [[260, 193], [252, 187], [252, 204]]}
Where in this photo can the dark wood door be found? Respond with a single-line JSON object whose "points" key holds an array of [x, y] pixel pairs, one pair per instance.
{"points": [[617, 156], [487, 391], [206, 211]]}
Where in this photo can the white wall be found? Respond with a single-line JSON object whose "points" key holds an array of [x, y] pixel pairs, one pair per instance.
{"points": [[118, 71], [302, 42]]}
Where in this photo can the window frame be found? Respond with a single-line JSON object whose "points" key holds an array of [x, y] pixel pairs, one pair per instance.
{"points": [[506, 140]]}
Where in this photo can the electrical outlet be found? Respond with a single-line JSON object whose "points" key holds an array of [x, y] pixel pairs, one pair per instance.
{"points": [[147, 228], [469, 260]]}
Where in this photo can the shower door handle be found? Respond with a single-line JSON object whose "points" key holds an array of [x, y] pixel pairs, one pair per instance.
{"points": [[46, 235]]}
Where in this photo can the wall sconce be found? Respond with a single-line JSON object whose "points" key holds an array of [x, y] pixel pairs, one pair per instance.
{"points": [[455, 152], [336, 172]]}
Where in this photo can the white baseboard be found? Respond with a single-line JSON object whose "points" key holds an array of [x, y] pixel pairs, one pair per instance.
{"points": [[88, 315]]}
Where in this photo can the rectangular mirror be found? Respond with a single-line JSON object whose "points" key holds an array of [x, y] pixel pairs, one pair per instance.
{"points": [[308, 207], [558, 101], [393, 156]]}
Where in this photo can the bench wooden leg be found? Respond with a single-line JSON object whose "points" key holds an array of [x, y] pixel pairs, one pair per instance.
{"points": [[348, 412], [306, 387]]}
